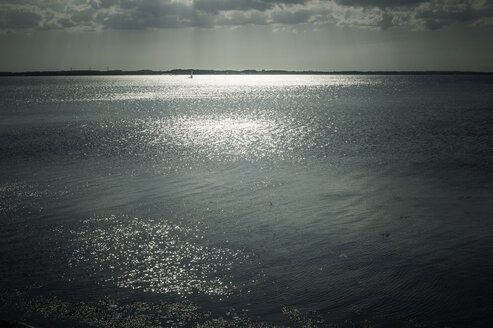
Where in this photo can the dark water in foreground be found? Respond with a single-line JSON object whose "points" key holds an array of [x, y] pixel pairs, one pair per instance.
{"points": [[297, 201]]}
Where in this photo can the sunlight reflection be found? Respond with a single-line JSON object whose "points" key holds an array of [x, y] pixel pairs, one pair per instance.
{"points": [[168, 87], [153, 256], [238, 136]]}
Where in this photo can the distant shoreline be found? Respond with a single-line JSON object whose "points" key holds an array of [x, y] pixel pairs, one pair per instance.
{"points": [[232, 72]]}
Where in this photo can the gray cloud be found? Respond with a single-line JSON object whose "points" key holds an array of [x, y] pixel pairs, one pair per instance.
{"points": [[380, 3], [144, 14], [12, 17], [242, 18], [215, 6], [435, 16], [416, 14], [290, 18], [150, 14], [228, 5]]}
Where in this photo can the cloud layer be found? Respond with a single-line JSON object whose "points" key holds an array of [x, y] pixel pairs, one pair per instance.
{"points": [[147, 14]]}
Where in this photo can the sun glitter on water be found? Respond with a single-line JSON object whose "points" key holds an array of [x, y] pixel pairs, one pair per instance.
{"points": [[153, 256]]}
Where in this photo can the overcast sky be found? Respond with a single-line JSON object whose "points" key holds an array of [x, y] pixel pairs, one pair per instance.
{"points": [[244, 34]]}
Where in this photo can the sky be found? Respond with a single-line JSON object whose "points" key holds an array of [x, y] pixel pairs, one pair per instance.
{"points": [[328, 35]]}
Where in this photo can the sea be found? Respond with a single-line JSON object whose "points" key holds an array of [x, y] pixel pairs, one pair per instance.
{"points": [[247, 201]]}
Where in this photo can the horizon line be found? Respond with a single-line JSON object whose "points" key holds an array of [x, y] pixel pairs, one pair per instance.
{"points": [[186, 71]]}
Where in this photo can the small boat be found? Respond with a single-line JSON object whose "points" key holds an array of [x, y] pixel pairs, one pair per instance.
{"points": [[191, 75]]}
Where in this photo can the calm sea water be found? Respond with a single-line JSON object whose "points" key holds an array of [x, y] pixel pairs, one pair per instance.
{"points": [[229, 200]]}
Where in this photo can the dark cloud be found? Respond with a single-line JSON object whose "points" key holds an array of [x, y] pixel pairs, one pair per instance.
{"points": [[65, 22], [435, 17], [215, 6], [12, 17], [98, 4], [386, 22], [242, 5], [243, 18], [417, 14], [380, 3], [293, 17], [150, 14], [82, 15], [143, 14]]}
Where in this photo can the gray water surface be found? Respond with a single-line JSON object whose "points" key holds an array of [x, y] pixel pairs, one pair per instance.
{"points": [[287, 200]]}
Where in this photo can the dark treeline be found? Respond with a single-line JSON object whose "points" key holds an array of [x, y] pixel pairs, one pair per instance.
{"points": [[232, 72]]}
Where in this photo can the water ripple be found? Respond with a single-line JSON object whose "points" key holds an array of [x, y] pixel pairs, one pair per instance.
{"points": [[154, 256]]}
